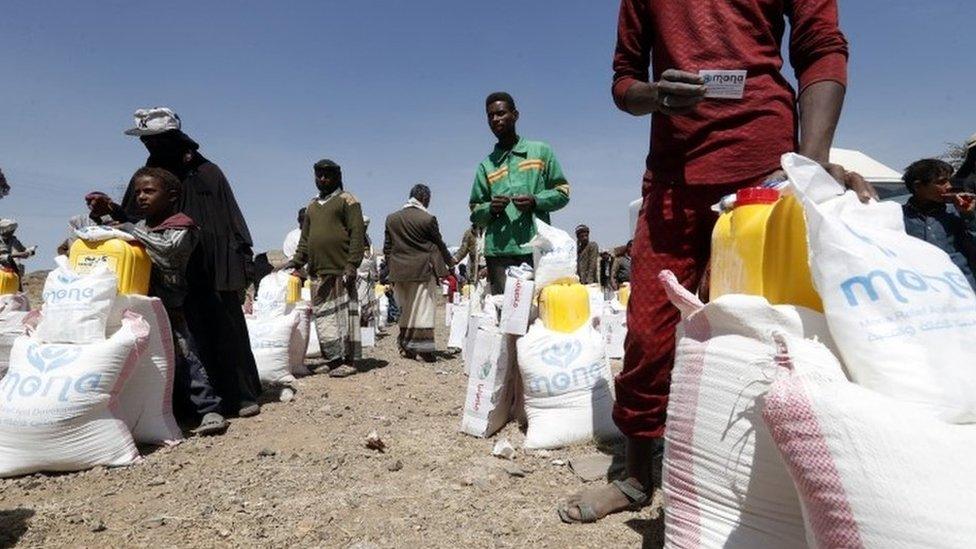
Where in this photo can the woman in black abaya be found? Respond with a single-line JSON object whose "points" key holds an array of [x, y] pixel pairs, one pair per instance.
{"points": [[219, 271]]}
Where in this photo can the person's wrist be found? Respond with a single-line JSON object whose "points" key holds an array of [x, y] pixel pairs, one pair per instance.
{"points": [[643, 98]]}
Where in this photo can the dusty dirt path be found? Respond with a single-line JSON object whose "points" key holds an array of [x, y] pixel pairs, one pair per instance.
{"points": [[300, 475]]}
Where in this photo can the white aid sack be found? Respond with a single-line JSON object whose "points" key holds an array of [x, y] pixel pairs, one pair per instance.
{"points": [[488, 401], [300, 340], [100, 233], [459, 326], [614, 327], [597, 303], [270, 342], [58, 403], [566, 383], [76, 306], [901, 312], [271, 300], [517, 306], [146, 403], [486, 316], [11, 327], [14, 302], [725, 483], [367, 336], [872, 472], [383, 305], [554, 255], [313, 350]]}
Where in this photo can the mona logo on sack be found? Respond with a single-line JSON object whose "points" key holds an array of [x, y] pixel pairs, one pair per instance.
{"points": [[64, 295], [46, 359], [562, 354], [51, 357], [903, 279]]}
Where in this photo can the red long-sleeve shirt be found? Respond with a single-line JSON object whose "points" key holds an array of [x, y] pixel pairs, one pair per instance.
{"points": [[727, 140]]}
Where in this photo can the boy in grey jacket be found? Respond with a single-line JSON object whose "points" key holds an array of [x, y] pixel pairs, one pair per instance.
{"points": [[169, 240]]}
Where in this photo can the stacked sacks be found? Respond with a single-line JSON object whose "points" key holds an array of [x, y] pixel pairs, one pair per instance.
{"points": [[871, 471], [84, 308], [725, 483], [58, 403], [849, 459], [903, 318], [279, 332], [903, 315]]}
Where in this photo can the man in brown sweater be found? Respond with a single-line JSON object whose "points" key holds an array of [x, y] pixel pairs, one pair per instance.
{"points": [[417, 257], [332, 245]]}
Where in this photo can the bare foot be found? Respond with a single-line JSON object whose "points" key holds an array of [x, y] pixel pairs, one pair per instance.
{"points": [[593, 505]]}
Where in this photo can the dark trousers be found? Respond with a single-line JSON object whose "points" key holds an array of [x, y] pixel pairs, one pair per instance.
{"points": [[674, 232], [393, 310], [217, 322], [497, 267], [193, 395]]}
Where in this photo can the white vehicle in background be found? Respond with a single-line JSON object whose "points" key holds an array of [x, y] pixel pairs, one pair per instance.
{"points": [[885, 180]]}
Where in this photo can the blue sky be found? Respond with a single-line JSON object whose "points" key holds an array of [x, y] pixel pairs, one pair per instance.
{"points": [[394, 92]]}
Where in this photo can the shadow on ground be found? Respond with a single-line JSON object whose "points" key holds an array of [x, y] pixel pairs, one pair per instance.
{"points": [[651, 531], [368, 364], [13, 525]]}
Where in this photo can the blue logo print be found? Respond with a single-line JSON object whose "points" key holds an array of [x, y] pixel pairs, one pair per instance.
{"points": [[51, 357], [562, 355]]}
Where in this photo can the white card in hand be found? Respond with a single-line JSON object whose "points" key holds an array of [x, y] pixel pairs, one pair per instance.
{"points": [[723, 84]]}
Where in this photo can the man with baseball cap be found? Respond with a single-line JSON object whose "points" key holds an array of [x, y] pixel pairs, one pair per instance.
{"points": [[222, 264]]}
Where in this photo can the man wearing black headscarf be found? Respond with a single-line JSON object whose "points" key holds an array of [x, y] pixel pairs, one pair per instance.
{"points": [[222, 264], [965, 176]]}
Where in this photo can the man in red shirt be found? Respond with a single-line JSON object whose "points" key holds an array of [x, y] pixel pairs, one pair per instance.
{"points": [[703, 148]]}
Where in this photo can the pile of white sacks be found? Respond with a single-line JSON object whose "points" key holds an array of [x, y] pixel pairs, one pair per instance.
{"points": [[283, 336], [557, 384], [279, 333], [853, 428], [85, 378]]}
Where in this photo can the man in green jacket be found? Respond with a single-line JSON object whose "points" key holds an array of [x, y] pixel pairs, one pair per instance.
{"points": [[519, 181], [332, 245]]}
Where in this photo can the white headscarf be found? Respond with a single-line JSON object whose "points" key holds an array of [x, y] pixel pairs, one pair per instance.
{"points": [[7, 226]]}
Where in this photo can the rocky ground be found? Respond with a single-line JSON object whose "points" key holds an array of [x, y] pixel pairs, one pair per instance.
{"points": [[300, 474]]}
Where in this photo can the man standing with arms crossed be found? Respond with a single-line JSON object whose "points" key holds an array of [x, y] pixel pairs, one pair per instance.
{"points": [[519, 181], [701, 150]]}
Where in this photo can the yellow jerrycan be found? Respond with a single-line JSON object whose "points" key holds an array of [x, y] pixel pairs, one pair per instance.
{"points": [[9, 281], [623, 293], [760, 248], [294, 292], [466, 290], [380, 290], [564, 307], [128, 260]]}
